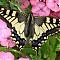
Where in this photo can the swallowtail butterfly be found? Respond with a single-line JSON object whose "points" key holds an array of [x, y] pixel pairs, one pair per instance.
{"points": [[29, 29]]}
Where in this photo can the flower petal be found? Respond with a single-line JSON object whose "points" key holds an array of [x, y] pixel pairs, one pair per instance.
{"points": [[2, 24]]}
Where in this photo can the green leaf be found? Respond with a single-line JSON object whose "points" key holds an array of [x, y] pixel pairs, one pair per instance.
{"points": [[52, 55], [3, 3], [3, 48], [28, 10], [27, 50], [15, 52], [35, 57], [58, 47], [48, 50], [13, 6]]}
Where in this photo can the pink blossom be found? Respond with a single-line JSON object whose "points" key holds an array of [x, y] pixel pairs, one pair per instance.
{"points": [[34, 2], [42, 0], [40, 9], [25, 4], [58, 2], [24, 58], [6, 56], [2, 24], [22, 1], [55, 14], [7, 42], [11, 43], [53, 5], [5, 33]]}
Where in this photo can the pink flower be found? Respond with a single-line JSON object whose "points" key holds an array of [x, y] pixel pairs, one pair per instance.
{"points": [[24, 58], [59, 3], [2, 24], [25, 4], [22, 1], [6, 56], [42, 0], [55, 14], [5, 33], [7, 42], [34, 2], [40, 9], [53, 5]]}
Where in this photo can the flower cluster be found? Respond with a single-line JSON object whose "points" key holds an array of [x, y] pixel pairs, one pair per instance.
{"points": [[9, 56], [6, 56], [42, 8], [25, 4], [5, 41], [5, 34]]}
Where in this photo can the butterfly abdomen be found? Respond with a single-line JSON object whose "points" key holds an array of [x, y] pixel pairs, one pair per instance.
{"points": [[29, 27]]}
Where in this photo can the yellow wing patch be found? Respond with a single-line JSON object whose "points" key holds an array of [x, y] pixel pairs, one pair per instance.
{"points": [[54, 20], [48, 19], [7, 12], [2, 9], [22, 26], [14, 22], [44, 27], [48, 26], [51, 26], [37, 29], [8, 17], [14, 13], [23, 36]]}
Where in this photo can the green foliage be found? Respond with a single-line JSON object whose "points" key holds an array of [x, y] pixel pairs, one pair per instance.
{"points": [[28, 10], [3, 2], [48, 50], [27, 50]]}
